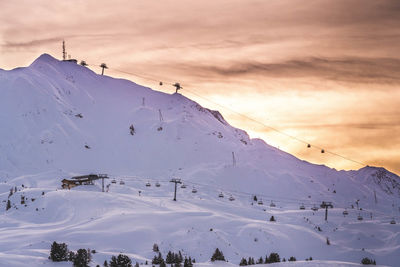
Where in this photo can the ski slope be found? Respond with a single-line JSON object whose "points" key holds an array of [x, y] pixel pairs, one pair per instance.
{"points": [[60, 119]]}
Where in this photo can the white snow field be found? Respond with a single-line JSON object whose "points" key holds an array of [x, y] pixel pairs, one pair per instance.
{"points": [[59, 119]]}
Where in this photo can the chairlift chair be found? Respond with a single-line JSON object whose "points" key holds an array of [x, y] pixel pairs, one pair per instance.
{"points": [[113, 181], [158, 184], [359, 217], [260, 202], [231, 198], [302, 207], [315, 208], [194, 190], [393, 221], [148, 184], [122, 182], [221, 195], [272, 205], [183, 186], [345, 212]]}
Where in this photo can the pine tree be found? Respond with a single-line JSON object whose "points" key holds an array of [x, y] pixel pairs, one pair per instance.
{"points": [[274, 257], [180, 258], [292, 258], [120, 261], [81, 258], [272, 219], [8, 205], [162, 264], [243, 262], [169, 259], [260, 261], [59, 252], [217, 256], [71, 256], [105, 264]]}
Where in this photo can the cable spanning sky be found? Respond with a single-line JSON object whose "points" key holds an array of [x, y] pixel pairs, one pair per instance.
{"points": [[324, 71]]}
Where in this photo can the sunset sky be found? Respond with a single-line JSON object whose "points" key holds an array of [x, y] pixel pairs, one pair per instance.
{"points": [[327, 72]]}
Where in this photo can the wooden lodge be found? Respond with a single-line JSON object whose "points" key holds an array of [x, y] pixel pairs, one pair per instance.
{"points": [[82, 180]]}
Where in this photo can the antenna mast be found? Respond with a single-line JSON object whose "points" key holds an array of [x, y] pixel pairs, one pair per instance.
{"points": [[64, 53]]}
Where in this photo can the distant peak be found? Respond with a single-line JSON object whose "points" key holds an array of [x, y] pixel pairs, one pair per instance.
{"points": [[46, 58]]}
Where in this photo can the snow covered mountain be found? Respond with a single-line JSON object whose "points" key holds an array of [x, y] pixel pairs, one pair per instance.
{"points": [[59, 119]]}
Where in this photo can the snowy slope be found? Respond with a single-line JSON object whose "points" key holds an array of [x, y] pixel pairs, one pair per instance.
{"points": [[51, 110]]}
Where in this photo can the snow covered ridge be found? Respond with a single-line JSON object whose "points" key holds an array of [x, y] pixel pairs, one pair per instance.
{"points": [[60, 119]]}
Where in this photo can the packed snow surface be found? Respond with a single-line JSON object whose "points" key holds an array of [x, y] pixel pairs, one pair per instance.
{"points": [[59, 119]]}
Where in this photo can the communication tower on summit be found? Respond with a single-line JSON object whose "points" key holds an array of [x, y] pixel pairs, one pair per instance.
{"points": [[64, 53]]}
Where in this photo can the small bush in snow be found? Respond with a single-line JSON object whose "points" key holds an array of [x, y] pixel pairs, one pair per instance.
{"points": [[367, 261], [272, 219], [292, 258], [156, 248]]}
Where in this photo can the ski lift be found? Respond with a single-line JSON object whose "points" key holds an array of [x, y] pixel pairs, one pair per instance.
{"points": [[183, 186], [231, 198], [345, 212], [194, 190], [315, 208], [158, 184], [322, 150], [122, 182], [260, 202], [113, 181], [221, 195], [359, 217], [302, 207], [393, 221], [272, 205], [148, 184]]}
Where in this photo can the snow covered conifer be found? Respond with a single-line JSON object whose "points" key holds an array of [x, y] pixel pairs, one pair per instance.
{"points": [[243, 262], [273, 257], [8, 206], [120, 261], [81, 258], [59, 252], [169, 259], [217, 256]]}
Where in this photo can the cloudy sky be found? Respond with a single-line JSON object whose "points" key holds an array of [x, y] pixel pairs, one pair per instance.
{"points": [[327, 72]]}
